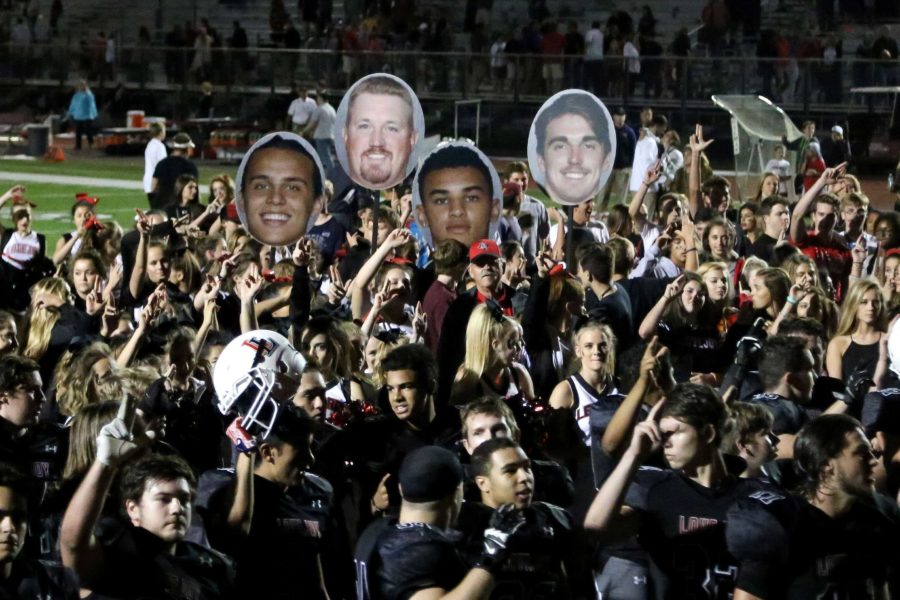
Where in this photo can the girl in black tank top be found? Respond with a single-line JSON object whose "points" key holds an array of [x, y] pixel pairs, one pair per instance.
{"points": [[860, 329]]}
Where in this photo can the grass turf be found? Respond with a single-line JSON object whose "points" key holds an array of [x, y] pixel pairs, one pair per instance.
{"points": [[53, 217]]}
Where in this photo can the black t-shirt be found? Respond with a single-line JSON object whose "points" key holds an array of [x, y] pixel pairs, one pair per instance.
{"points": [[763, 247], [683, 531], [788, 548], [614, 310], [643, 293], [534, 567], [286, 535], [166, 172], [137, 566], [788, 416], [328, 237], [41, 580], [413, 557]]}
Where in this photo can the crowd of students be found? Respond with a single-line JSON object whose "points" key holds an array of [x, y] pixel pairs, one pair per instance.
{"points": [[683, 398]]}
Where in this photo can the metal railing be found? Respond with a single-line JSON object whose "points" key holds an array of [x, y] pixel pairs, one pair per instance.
{"points": [[667, 80]]}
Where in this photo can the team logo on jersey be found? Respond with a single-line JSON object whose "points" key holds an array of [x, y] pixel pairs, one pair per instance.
{"points": [[766, 498]]}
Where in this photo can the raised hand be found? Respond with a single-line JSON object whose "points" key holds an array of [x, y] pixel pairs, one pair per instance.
{"points": [[143, 222], [110, 318], [419, 322], [397, 238], [302, 252], [831, 175], [115, 442], [674, 289], [859, 253], [647, 437], [653, 173], [696, 142], [93, 302]]}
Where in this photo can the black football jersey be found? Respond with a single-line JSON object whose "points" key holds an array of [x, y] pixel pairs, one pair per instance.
{"points": [[683, 531], [788, 416], [788, 548], [534, 568], [413, 557], [41, 580]]}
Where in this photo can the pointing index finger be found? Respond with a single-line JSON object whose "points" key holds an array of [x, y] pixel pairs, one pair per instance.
{"points": [[651, 416]]}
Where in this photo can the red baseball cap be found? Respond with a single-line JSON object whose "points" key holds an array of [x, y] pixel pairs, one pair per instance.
{"points": [[484, 248]]}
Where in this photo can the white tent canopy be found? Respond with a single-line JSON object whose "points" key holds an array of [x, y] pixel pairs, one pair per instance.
{"points": [[757, 126]]}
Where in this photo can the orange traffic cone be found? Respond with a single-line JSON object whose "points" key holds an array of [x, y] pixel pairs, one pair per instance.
{"points": [[55, 154]]}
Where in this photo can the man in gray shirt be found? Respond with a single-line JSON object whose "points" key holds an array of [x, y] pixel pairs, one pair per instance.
{"points": [[535, 232]]}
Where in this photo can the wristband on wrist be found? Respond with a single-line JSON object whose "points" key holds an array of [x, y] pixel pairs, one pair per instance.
{"points": [[791, 300], [690, 250]]}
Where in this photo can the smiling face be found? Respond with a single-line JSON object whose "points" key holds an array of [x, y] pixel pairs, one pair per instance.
{"points": [[510, 480], [457, 205], [573, 159], [157, 264], [189, 193], [379, 137], [164, 509], [592, 346], [279, 195]]}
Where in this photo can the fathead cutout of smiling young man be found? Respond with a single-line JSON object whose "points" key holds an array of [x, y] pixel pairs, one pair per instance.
{"points": [[456, 196], [379, 132], [280, 189], [573, 148]]}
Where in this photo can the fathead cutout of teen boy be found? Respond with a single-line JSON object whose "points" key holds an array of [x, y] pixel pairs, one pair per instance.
{"points": [[280, 189], [457, 195], [571, 147]]}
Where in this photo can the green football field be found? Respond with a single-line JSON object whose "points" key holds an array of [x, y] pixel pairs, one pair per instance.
{"points": [[52, 217]]}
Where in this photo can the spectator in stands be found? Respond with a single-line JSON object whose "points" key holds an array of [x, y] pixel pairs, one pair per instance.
{"points": [[321, 129], [616, 189], [593, 60], [552, 44], [301, 110], [531, 209]]}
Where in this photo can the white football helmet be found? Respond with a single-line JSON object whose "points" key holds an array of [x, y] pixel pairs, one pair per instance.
{"points": [[251, 367]]}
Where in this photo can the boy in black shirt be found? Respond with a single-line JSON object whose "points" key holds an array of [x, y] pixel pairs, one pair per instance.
{"points": [[534, 567], [19, 577], [677, 513], [272, 515], [149, 557], [786, 373], [837, 539], [416, 557]]}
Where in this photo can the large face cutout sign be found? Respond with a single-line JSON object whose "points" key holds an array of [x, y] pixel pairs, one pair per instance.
{"points": [[457, 195], [279, 189], [571, 147], [378, 125]]}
